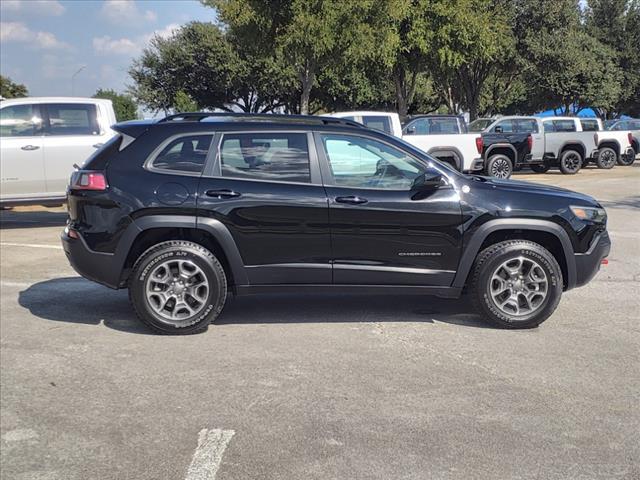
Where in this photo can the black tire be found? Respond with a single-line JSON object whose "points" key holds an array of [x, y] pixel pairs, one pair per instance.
{"points": [[627, 160], [207, 266], [491, 259], [499, 166], [570, 162], [585, 162], [540, 167], [607, 158]]}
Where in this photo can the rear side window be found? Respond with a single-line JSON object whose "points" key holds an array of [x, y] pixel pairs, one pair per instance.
{"points": [[19, 121], [549, 126], [377, 122], [433, 126], [564, 125], [72, 119], [526, 126], [278, 157], [589, 125], [184, 154]]}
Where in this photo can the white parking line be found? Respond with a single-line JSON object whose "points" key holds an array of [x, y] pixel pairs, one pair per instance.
{"points": [[30, 245], [614, 233], [207, 457]]}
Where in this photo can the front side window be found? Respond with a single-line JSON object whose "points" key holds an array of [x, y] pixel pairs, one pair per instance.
{"points": [[184, 154], [19, 121], [278, 157], [72, 119], [366, 163], [377, 122], [589, 125]]}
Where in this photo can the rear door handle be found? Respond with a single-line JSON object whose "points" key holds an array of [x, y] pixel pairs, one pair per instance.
{"points": [[220, 194], [352, 200], [30, 147]]}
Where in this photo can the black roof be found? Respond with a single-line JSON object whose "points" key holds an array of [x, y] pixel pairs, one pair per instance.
{"points": [[258, 117]]}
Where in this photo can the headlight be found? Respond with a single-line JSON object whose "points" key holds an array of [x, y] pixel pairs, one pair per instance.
{"points": [[593, 214]]}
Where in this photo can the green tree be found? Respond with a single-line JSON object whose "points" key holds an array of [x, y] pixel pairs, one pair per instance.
{"points": [[184, 103], [124, 106], [10, 89]]}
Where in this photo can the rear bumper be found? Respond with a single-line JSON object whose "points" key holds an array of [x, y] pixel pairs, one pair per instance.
{"points": [[96, 266], [477, 164], [588, 263]]}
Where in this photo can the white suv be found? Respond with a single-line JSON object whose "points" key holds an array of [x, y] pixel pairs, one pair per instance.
{"points": [[41, 138]]}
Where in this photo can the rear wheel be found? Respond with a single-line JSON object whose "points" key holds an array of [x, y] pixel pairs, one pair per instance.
{"points": [[570, 162], [626, 160], [499, 166], [607, 158], [177, 287], [540, 167], [516, 284]]}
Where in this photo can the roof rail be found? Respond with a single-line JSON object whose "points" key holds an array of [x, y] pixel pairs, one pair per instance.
{"points": [[249, 117]]}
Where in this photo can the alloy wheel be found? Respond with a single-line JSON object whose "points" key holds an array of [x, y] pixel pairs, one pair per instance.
{"points": [[519, 286], [501, 168]]}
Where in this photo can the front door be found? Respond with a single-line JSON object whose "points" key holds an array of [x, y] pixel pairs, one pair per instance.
{"points": [[382, 231], [21, 152], [265, 188]]}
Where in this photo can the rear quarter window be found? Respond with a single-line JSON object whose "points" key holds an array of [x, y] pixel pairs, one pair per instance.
{"points": [[186, 154]]}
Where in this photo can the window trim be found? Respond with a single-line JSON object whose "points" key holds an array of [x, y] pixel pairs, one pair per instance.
{"points": [[148, 163], [213, 169], [35, 108], [327, 174]]}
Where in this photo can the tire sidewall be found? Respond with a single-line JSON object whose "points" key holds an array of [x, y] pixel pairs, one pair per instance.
{"points": [[554, 277], [495, 158], [610, 165], [563, 167], [149, 260]]}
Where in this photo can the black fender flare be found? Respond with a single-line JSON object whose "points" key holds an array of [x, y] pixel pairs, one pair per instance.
{"points": [[213, 227], [457, 154], [611, 143], [502, 145], [472, 249], [571, 143]]}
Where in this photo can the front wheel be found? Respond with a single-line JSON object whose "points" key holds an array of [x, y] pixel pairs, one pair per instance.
{"points": [[499, 166], [177, 287], [516, 284], [607, 158], [570, 162]]}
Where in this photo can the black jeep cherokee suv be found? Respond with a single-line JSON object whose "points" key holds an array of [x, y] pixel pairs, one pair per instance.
{"points": [[184, 210]]}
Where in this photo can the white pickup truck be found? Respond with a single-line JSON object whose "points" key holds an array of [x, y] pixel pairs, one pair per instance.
{"points": [[442, 136], [41, 138], [566, 142]]}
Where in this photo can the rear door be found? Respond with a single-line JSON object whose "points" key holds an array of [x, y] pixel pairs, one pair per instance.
{"points": [[72, 134], [265, 187], [382, 233], [21, 152]]}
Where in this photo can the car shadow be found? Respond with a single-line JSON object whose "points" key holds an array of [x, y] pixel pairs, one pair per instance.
{"points": [[625, 203], [11, 219], [92, 304]]}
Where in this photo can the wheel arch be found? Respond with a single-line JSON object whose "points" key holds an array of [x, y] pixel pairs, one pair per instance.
{"points": [[550, 235], [613, 144], [504, 149], [449, 152], [210, 233], [573, 145]]}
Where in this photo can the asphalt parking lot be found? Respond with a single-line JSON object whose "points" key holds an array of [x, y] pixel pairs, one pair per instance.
{"points": [[318, 386]]}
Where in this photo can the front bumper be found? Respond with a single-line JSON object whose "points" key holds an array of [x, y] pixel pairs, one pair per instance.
{"points": [[588, 263], [96, 266]]}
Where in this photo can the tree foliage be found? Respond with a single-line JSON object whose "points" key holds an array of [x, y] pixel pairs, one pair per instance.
{"points": [[124, 106], [477, 56], [10, 89]]}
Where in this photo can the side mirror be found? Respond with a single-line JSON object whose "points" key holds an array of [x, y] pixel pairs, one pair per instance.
{"points": [[428, 182], [498, 129], [410, 130]]}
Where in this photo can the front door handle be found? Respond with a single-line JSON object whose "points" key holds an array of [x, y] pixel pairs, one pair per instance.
{"points": [[352, 200], [30, 147], [97, 145], [220, 194]]}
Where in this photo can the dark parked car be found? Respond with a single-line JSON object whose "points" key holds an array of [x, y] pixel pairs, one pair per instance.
{"points": [[188, 209]]}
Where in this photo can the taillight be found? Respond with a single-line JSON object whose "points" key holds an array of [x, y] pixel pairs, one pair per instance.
{"points": [[630, 138], [88, 180], [530, 142], [479, 145]]}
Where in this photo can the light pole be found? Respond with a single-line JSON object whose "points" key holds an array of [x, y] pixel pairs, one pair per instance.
{"points": [[73, 77]]}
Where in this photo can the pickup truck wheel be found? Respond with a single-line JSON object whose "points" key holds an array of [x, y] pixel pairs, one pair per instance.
{"points": [[499, 166], [570, 162], [607, 158], [177, 287], [540, 167], [516, 284], [626, 160]]}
